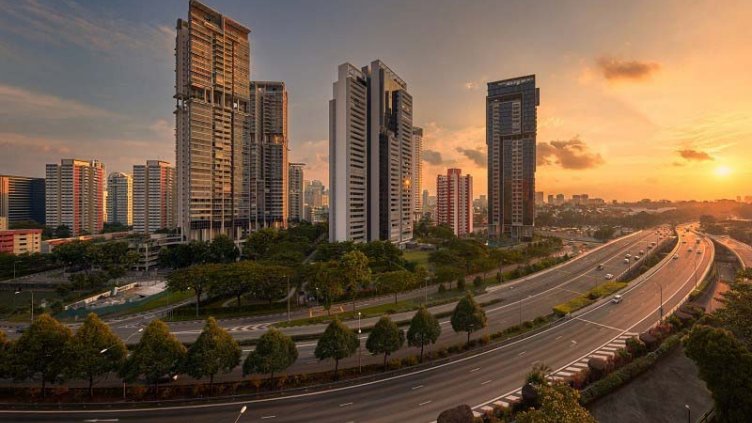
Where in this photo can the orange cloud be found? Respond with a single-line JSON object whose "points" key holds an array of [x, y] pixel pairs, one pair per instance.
{"points": [[569, 154], [689, 154], [614, 69]]}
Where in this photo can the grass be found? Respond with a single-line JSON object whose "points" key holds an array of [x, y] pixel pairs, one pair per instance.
{"points": [[589, 297], [417, 256], [162, 299]]}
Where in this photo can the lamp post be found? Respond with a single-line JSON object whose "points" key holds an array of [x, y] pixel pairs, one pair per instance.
{"points": [[288, 298], [32, 303], [104, 350], [360, 368], [242, 411], [689, 413], [425, 290]]}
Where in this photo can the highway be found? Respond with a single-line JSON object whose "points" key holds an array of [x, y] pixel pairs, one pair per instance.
{"points": [[475, 380], [740, 249]]}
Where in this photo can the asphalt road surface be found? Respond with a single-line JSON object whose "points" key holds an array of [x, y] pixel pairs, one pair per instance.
{"points": [[475, 380]]}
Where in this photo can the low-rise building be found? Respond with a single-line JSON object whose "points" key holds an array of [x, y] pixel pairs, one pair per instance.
{"points": [[21, 241]]}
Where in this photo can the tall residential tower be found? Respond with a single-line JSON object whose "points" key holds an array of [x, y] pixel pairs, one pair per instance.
{"points": [[153, 196], [267, 174], [417, 185], [454, 201], [370, 156], [212, 119], [296, 212], [74, 195], [120, 198], [511, 132]]}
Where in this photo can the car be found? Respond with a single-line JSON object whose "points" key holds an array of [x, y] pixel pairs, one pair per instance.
{"points": [[642, 252], [676, 256], [636, 258], [628, 256], [600, 267], [699, 251], [626, 261], [617, 299], [684, 242], [689, 249], [21, 329], [609, 276]]}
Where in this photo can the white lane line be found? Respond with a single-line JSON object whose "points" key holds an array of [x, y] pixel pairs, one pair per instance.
{"points": [[268, 417], [475, 370], [488, 381], [599, 324], [559, 337], [345, 404], [522, 353], [424, 403], [416, 387]]}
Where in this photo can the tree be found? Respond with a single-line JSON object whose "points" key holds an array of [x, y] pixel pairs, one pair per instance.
{"points": [[214, 351], [94, 351], [200, 278], [222, 250], [459, 414], [558, 404], [63, 231], [157, 354], [270, 282], [259, 243], [353, 267], [726, 367], [385, 338], [274, 352], [395, 282], [71, 253], [5, 355], [468, 316], [337, 342], [424, 330], [237, 279], [326, 281], [42, 350], [736, 314]]}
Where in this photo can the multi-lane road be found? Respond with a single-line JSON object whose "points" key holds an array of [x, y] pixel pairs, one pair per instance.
{"points": [[475, 380], [742, 251]]}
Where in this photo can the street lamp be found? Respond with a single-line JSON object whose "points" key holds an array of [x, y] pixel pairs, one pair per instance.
{"points": [[425, 289], [689, 413], [104, 350], [360, 368], [288, 298], [242, 410]]}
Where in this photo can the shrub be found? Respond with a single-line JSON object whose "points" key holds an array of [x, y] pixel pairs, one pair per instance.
{"points": [[409, 361], [460, 284], [478, 282], [635, 347], [442, 288]]}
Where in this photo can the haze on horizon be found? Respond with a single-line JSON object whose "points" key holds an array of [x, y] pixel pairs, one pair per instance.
{"points": [[638, 99]]}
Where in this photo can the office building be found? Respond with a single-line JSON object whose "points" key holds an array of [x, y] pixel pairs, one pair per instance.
{"points": [[538, 198], [559, 199], [370, 156], [154, 197], [3, 223], [22, 199], [212, 113], [295, 202], [454, 201], [511, 133], [267, 173], [119, 199], [314, 193], [21, 241], [417, 172], [550, 198], [74, 195]]}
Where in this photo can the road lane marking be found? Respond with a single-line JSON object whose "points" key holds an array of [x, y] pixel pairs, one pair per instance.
{"points": [[488, 381], [416, 387], [424, 403], [345, 404], [268, 417], [475, 370], [559, 337], [600, 324], [522, 353]]}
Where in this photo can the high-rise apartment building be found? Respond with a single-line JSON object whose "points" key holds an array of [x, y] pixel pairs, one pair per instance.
{"points": [[154, 196], [74, 195], [267, 173], [539, 197], [212, 124], [454, 201], [314, 193], [297, 209], [550, 198], [417, 184], [370, 156], [22, 198], [511, 133], [119, 199]]}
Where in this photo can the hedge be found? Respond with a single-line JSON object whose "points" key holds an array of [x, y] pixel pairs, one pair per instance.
{"points": [[588, 298]]}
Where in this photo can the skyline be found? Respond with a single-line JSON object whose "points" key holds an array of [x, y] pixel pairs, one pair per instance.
{"points": [[660, 117]]}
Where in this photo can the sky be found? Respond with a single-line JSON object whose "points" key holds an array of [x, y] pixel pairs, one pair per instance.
{"points": [[639, 99]]}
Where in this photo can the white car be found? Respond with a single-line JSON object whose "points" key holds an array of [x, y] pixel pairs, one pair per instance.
{"points": [[609, 276], [617, 299], [676, 256]]}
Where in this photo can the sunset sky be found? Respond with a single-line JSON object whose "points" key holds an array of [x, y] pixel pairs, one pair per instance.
{"points": [[638, 99]]}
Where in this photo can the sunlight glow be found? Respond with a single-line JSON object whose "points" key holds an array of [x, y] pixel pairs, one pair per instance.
{"points": [[722, 170]]}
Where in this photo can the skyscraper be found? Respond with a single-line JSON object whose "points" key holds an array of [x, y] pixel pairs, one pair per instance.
{"points": [[120, 198], [73, 195], [154, 197], [212, 122], [539, 196], [295, 202], [267, 170], [454, 201], [370, 156], [511, 132], [21, 198], [417, 172]]}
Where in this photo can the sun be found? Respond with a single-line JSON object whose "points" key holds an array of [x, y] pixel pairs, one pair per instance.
{"points": [[722, 170]]}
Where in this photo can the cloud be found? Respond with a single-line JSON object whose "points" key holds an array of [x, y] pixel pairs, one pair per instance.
{"points": [[477, 156], [315, 155], [61, 23], [614, 69], [432, 157], [694, 155], [569, 154], [19, 102]]}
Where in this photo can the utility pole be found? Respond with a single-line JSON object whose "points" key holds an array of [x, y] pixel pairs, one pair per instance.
{"points": [[360, 368], [288, 298]]}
